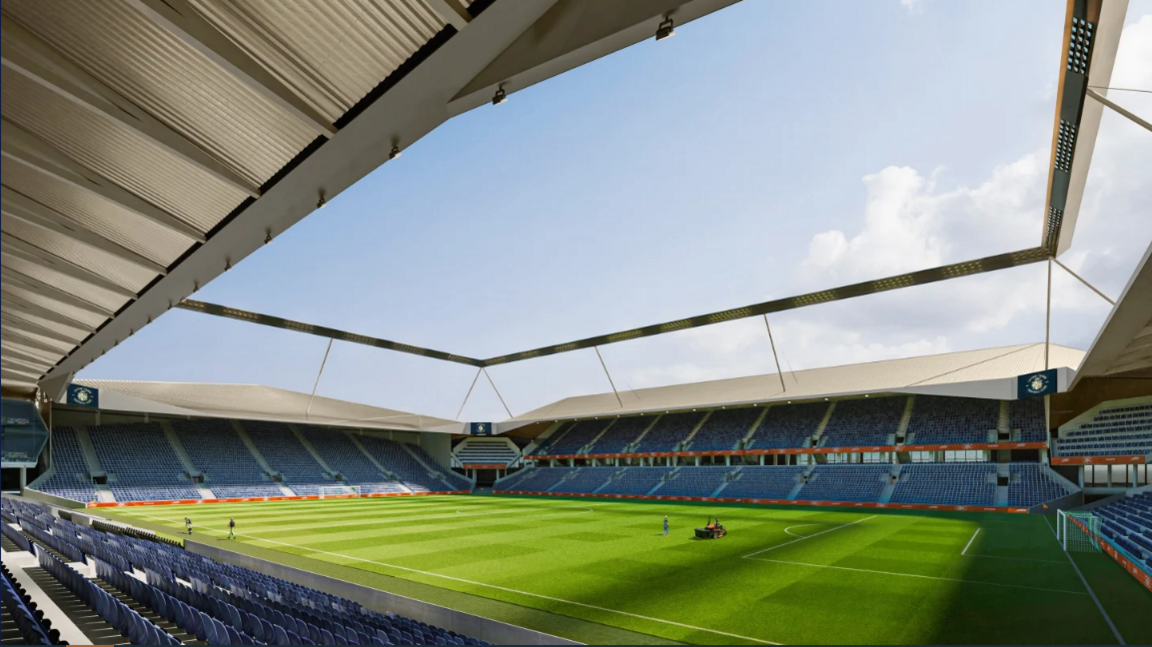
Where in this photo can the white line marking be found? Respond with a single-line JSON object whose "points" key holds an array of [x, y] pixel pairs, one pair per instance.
{"points": [[965, 551], [1018, 559], [923, 577], [1115, 632], [520, 512], [807, 537], [493, 586], [789, 528]]}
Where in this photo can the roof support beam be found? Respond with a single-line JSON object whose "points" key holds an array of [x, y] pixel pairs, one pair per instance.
{"points": [[39, 62], [452, 12], [21, 146], [21, 207], [16, 323], [1121, 111], [28, 283], [178, 18], [11, 302], [16, 248]]}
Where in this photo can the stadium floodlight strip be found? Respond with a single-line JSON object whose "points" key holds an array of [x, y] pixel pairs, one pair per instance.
{"points": [[922, 277]]}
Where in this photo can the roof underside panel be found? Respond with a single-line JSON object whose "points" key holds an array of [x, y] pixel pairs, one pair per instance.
{"points": [[114, 269], [331, 53], [92, 294], [101, 216], [170, 80], [115, 152]]}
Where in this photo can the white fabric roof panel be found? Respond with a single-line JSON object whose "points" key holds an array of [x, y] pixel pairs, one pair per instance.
{"points": [[245, 401], [900, 375]]}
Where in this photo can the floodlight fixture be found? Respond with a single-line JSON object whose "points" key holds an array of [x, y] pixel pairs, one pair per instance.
{"points": [[666, 29], [500, 97], [395, 152], [320, 204]]}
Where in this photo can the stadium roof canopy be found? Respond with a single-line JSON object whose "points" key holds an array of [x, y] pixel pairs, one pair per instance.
{"points": [[250, 402], [150, 145], [1123, 347], [987, 373]]}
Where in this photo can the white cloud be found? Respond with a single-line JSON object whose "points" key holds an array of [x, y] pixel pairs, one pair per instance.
{"points": [[913, 6]]}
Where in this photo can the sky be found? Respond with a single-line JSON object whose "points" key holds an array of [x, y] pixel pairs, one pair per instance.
{"points": [[768, 150]]}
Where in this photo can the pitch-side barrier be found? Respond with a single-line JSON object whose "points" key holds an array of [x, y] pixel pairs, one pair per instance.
{"points": [[264, 499]]}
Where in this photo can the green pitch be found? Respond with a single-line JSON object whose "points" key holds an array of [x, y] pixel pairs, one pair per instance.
{"points": [[602, 571]]}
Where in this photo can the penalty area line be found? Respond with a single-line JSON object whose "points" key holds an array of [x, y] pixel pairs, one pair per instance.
{"points": [[751, 555], [965, 551], [500, 588], [923, 577]]}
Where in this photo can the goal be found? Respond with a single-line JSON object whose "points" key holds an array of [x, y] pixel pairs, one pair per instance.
{"points": [[339, 491], [1078, 532]]}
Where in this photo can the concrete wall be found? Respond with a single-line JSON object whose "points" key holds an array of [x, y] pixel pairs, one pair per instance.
{"points": [[1074, 500], [51, 500], [382, 601]]}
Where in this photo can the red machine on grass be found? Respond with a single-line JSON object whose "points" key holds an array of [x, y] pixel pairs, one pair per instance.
{"points": [[714, 529]]}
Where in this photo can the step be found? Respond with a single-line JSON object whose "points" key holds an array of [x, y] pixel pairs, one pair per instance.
{"points": [[96, 629], [385, 472], [795, 491], [886, 493], [104, 494], [687, 442], [247, 440], [639, 439], [148, 614], [311, 450], [1003, 424], [88, 449], [905, 418], [285, 490], [1001, 496], [435, 473], [587, 449], [205, 493], [824, 423], [755, 426], [178, 448]]}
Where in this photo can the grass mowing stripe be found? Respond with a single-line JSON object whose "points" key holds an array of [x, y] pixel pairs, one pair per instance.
{"points": [[965, 551], [751, 555], [924, 577], [499, 588], [1115, 631]]}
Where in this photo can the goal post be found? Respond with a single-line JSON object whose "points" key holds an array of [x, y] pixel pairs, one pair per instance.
{"points": [[339, 491], [1078, 532]]}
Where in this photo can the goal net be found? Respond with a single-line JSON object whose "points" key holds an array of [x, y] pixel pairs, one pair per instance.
{"points": [[1078, 532], [340, 492]]}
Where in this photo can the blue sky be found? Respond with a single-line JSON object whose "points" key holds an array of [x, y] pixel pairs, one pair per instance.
{"points": [[766, 150]]}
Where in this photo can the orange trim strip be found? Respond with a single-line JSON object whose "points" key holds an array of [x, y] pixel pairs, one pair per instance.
{"points": [[133, 504]]}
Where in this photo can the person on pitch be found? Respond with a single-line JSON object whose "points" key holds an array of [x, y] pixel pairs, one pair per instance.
{"points": [[665, 525], [232, 528], [188, 525]]}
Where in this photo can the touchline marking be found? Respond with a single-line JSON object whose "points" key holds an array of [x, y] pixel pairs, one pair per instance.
{"points": [[923, 577], [789, 528], [1115, 632], [551, 514], [493, 586], [965, 551], [750, 555], [1018, 559]]}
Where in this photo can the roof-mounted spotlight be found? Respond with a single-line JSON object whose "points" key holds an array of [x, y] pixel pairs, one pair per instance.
{"points": [[666, 29], [395, 152], [500, 97], [267, 236], [321, 202], [227, 264]]}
